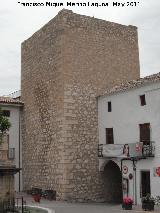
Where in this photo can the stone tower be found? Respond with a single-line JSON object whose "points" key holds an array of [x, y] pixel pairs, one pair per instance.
{"points": [[65, 66]]}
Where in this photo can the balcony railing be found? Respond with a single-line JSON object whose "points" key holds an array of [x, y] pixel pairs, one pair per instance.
{"points": [[6, 155], [126, 150], [149, 150]]}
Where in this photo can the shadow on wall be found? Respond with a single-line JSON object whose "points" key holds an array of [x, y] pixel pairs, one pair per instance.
{"points": [[112, 183]]}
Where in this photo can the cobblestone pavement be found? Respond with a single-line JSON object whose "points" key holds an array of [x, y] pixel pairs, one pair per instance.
{"points": [[65, 207]]}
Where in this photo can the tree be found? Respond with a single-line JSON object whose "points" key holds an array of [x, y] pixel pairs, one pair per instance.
{"points": [[4, 125]]}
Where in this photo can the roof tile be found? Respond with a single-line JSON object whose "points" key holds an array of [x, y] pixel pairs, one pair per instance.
{"points": [[133, 84], [8, 100]]}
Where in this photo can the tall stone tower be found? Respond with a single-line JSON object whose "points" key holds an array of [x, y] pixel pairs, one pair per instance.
{"points": [[65, 66]]}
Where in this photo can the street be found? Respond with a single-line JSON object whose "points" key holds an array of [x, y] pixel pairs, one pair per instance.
{"points": [[65, 207]]}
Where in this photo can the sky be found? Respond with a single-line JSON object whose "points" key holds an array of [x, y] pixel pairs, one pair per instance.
{"points": [[18, 22]]}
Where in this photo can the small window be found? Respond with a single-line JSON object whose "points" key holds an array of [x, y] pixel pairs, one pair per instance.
{"points": [[109, 136], [143, 100], [109, 106]]}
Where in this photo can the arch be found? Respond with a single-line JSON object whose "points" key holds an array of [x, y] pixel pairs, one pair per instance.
{"points": [[112, 183]]}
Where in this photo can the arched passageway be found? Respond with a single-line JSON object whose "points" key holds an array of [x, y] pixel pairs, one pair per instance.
{"points": [[112, 183]]}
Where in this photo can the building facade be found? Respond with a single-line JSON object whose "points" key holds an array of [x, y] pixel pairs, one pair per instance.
{"points": [[65, 65], [129, 127], [12, 110], [7, 171]]}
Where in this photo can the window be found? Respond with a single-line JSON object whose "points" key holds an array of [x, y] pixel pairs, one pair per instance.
{"points": [[6, 113], [145, 133], [143, 100], [109, 106], [109, 136]]}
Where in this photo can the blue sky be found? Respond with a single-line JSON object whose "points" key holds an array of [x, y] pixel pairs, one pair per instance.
{"points": [[17, 23]]}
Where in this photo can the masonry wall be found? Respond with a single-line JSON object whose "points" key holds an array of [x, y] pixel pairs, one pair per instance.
{"points": [[65, 65]]}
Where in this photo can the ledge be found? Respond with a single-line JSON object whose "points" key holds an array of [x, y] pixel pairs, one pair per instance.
{"points": [[8, 170]]}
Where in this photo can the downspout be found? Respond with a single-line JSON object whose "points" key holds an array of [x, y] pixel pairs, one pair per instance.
{"points": [[122, 177], [135, 180], [19, 151], [133, 183]]}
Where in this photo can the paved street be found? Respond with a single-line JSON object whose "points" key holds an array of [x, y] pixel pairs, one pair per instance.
{"points": [[60, 207], [65, 207]]}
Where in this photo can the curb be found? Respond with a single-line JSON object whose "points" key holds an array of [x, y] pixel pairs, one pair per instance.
{"points": [[39, 207]]}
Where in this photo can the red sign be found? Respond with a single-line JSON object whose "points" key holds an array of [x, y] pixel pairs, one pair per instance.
{"points": [[158, 171]]}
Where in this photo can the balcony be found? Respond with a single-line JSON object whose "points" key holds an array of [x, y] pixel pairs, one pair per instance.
{"points": [[149, 150], [130, 150]]}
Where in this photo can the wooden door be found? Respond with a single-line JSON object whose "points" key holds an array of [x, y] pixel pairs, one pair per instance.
{"points": [[145, 183], [145, 133]]}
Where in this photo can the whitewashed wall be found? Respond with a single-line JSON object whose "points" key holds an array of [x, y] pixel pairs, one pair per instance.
{"points": [[127, 113]]}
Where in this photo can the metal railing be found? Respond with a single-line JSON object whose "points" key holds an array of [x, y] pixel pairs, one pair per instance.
{"points": [[7, 205], [100, 150], [17, 205], [149, 150]]}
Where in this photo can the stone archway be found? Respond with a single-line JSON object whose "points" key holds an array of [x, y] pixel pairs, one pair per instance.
{"points": [[112, 183]]}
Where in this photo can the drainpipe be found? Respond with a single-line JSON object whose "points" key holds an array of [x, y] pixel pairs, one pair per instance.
{"points": [[19, 151], [133, 184], [135, 180], [122, 177]]}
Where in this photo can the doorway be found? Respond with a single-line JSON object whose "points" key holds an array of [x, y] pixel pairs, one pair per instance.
{"points": [[112, 183], [145, 183]]}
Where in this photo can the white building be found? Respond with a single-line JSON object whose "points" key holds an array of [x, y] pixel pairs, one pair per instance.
{"points": [[127, 115], [12, 109]]}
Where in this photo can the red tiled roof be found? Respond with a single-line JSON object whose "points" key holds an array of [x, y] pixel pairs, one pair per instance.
{"points": [[8, 100], [133, 84]]}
